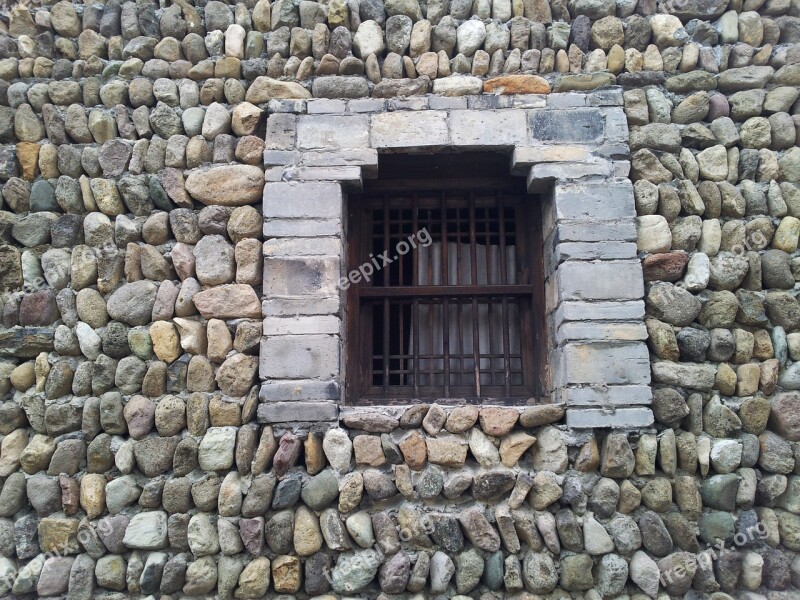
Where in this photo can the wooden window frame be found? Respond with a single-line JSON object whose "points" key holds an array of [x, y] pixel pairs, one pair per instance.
{"points": [[359, 390]]}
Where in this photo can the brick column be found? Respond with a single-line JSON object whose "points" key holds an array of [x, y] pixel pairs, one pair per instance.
{"points": [[300, 361]]}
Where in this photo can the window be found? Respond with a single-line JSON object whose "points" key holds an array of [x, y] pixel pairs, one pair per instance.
{"points": [[444, 284]]}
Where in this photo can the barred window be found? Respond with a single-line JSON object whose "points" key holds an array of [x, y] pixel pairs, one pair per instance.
{"points": [[445, 284]]}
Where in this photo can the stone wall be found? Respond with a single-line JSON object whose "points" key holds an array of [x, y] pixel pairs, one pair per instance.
{"points": [[142, 457]]}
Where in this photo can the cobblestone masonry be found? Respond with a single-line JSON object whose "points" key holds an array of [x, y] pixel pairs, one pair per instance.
{"points": [[170, 243]]}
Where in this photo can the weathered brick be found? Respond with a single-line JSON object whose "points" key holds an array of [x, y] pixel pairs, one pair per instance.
{"points": [[612, 311], [594, 251], [604, 201], [366, 105], [325, 105], [540, 174], [301, 276], [328, 324], [596, 231], [481, 129], [283, 412], [302, 227], [577, 125], [281, 130], [622, 418], [303, 305], [299, 357], [409, 129], [604, 363], [312, 200], [308, 246], [332, 131], [523, 157], [616, 124], [447, 103], [607, 395], [605, 280], [566, 100], [600, 331], [280, 158], [412, 103], [299, 390], [349, 176]]}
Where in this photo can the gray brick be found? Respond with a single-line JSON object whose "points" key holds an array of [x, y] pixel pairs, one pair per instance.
{"points": [[414, 103], [299, 357], [540, 175], [280, 157], [309, 246], [332, 131], [605, 97], [284, 105], [594, 251], [566, 100], [594, 201], [606, 280], [302, 227], [523, 157], [601, 311], [595, 231], [607, 395], [306, 276], [446, 102], [281, 129], [350, 177], [529, 101], [410, 129], [616, 124], [299, 390], [473, 128], [621, 168], [351, 157], [366, 105], [300, 411], [296, 325], [325, 105], [597, 331], [604, 364], [622, 418], [303, 305], [569, 126], [313, 200]]}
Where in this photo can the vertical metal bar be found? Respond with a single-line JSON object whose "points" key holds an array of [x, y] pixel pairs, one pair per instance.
{"points": [[474, 267], [504, 280], [459, 304], [445, 305], [386, 316], [415, 283]]}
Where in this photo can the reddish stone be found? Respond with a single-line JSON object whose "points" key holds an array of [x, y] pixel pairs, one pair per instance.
{"points": [[414, 450], [287, 454], [669, 266], [498, 421], [38, 309], [70, 494], [252, 534], [517, 84]]}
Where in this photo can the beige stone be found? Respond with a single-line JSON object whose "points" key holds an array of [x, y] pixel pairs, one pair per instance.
{"points": [[286, 574], [231, 185], [232, 301], [514, 446], [446, 450], [166, 342], [93, 494]]}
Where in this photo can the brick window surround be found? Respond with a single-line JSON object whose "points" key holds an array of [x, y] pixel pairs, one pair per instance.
{"points": [[572, 148]]}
